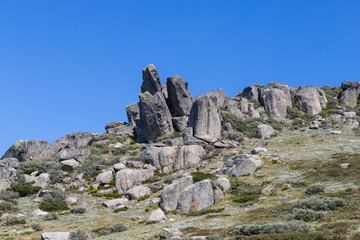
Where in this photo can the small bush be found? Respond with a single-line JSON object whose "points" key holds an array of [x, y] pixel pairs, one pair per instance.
{"points": [[13, 220], [122, 209], [7, 207], [54, 205], [143, 198], [308, 215], [293, 113], [118, 227], [37, 227], [199, 176], [7, 195], [244, 192], [24, 189], [279, 227], [234, 136], [79, 235], [317, 203], [51, 216], [56, 176], [315, 189], [78, 210], [205, 212]]}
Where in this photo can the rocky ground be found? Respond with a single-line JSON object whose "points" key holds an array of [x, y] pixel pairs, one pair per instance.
{"points": [[271, 163]]}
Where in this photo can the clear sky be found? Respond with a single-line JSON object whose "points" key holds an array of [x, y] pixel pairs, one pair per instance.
{"points": [[74, 65]]}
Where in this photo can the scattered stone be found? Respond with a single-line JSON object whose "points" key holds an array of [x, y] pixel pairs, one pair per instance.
{"points": [[119, 166], [39, 213], [241, 165], [157, 216], [69, 165], [224, 183], [127, 178], [258, 150], [266, 131], [344, 165], [115, 202], [55, 236], [42, 180], [336, 132], [104, 177], [138, 192], [79, 155], [72, 200], [170, 233]]}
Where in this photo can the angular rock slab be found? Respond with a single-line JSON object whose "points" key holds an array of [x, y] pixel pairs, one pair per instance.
{"points": [[241, 165], [179, 96], [151, 80], [28, 150], [198, 196], [115, 202], [55, 236]]}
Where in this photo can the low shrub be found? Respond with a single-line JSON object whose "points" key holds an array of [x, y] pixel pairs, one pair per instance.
{"points": [[79, 235], [24, 189], [244, 192], [7, 207], [78, 210], [13, 220], [279, 227], [118, 227], [199, 176], [37, 227], [289, 236], [315, 189], [122, 209], [8, 195], [53, 205], [51, 216], [317, 203], [308, 215], [205, 211]]}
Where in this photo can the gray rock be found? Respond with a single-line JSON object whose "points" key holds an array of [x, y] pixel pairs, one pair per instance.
{"points": [[42, 180], [349, 96], [151, 80], [55, 236], [72, 200], [138, 192], [119, 128], [218, 94], [8, 172], [157, 216], [196, 197], [351, 124], [127, 178], [28, 150], [224, 183], [170, 233], [205, 119], [348, 84], [155, 117], [276, 98], [79, 155], [180, 123], [314, 125], [266, 131], [233, 107], [69, 165], [310, 99], [258, 150], [135, 164], [74, 140], [167, 159], [133, 114], [104, 177], [241, 165], [176, 141], [171, 193], [179, 96], [119, 166], [115, 202], [251, 93], [350, 115], [38, 213], [228, 127]]}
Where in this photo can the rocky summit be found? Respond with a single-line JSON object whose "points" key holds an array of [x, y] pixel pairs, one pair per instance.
{"points": [[273, 162]]}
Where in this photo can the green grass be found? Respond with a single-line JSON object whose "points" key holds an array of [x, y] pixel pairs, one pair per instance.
{"points": [[199, 176]]}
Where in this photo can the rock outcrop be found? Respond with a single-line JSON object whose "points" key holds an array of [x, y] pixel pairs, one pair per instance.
{"points": [[127, 178], [8, 170], [171, 193], [179, 96], [310, 99], [119, 128], [151, 80], [250, 93], [205, 118], [28, 150], [275, 97]]}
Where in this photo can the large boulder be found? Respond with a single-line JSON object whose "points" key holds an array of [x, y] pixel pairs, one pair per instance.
{"points": [[179, 96], [105, 177], [157, 216], [171, 193], [74, 140], [115, 202], [266, 131], [151, 80], [138, 192], [119, 128], [241, 165], [276, 98], [127, 178], [198, 196], [205, 119], [167, 159], [310, 99], [348, 84], [219, 94], [155, 117], [28, 150], [79, 155], [350, 96], [251, 93], [8, 172]]}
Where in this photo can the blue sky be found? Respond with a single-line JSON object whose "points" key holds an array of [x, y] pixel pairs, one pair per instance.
{"points": [[68, 66]]}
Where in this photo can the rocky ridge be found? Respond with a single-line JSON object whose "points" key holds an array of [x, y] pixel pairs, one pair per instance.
{"points": [[177, 154]]}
